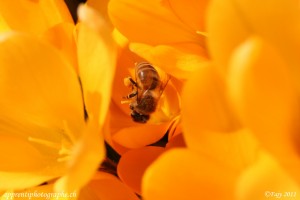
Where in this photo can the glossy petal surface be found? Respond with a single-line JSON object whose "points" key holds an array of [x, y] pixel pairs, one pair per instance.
{"points": [[133, 164], [197, 178]]}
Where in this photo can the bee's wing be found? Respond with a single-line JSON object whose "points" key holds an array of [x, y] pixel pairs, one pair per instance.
{"points": [[164, 78], [139, 92]]}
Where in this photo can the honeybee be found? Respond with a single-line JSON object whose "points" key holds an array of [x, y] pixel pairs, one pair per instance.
{"points": [[147, 89]]}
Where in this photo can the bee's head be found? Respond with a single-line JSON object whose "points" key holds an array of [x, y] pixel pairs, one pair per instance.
{"points": [[139, 117]]}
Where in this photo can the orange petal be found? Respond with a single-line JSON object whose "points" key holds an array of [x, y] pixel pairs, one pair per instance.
{"points": [[191, 13], [61, 36], [37, 16], [129, 134], [106, 186], [149, 22], [178, 60], [133, 164], [265, 98], [181, 174], [125, 65], [266, 179], [140, 135], [177, 141], [96, 60]]}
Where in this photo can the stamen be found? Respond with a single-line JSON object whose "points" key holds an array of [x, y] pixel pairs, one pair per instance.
{"points": [[63, 159], [68, 132], [125, 101], [45, 142], [202, 33], [64, 151]]}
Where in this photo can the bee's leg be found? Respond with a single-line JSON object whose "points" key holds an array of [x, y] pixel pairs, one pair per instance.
{"points": [[132, 95], [128, 97], [128, 81]]}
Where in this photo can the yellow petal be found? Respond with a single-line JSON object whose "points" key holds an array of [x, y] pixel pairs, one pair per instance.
{"points": [[133, 164], [191, 13], [96, 59], [19, 155], [3, 25], [227, 28], [178, 60], [34, 16], [209, 124], [183, 174], [266, 179], [231, 22], [86, 157], [286, 40], [101, 7], [204, 104], [39, 102], [108, 187], [39, 86], [23, 165], [61, 36], [22, 180], [266, 99], [150, 22]]}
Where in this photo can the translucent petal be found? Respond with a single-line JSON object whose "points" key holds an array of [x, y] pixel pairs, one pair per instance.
{"points": [[150, 22], [227, 28], [62, 37], [265, 97], [204, 104], [39, 86], [265, 24], [179, 60], [209, 124], [266, 179], [181, 174], [96, 59], [229, 23], [133, 164], [101, 7], [39, 102], [86, 157], [37, 16]]}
